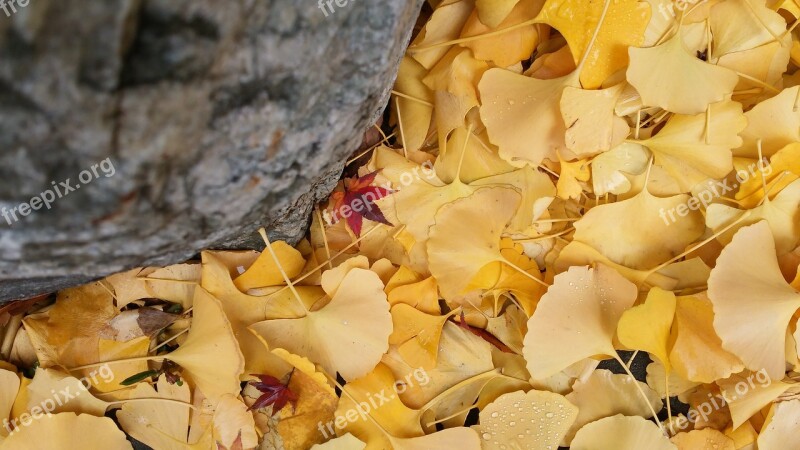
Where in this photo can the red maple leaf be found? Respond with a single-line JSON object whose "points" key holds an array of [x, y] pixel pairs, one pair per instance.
{"points": [[273, 392], [357, 202]]}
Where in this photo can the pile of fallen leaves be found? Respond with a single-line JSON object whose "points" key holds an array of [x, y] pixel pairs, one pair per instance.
{"points": [[564, 180]]}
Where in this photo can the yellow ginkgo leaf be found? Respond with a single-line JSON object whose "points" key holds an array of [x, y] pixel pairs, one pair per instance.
{"points": [[376, 425], [621, 433], [624, 26], [348, 335], [572, 173], [621, 231], [69, 333], [161, 425], [576, 319], [739, 25], [416, 335], [781, 213], [507, 421], [697, 354], [462, 356], [537, 192], [499, 279], [605, 394], [658, 380], [705, 439], [669, 77], [414, 113], [647, 326], [748, 392], [510, 47], [753, 303], [345, 442], [210, 355], [174, 283], [68, 431], [73, 394], [592, 126], [784, 168], [9, 387], [454, 80], [493, 12], [233, 423], [775, 122], [128, 287], [682, 149], [466, 237], [474, 155], [444, 25], [406, 286], [264, 271], [609, 169], [780, 429], [244, 310], [522, 115], [418, 202], [113, 350]]}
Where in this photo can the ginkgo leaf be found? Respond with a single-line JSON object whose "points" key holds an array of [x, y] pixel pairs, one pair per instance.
{"points": [[174, 283], [445, 24], [210, 356], [707, 438], [264, 271], [624, 26], [775, 122], [605, 394], [609, 168], [475, 157], [233, 424], [507, 422], [781, 213], [780, 429], [509, 47], [393, 418], [416, 335], [69, 333], [592, 126], [73, 395], [348, 335], [492, 12], [415, 113], [697, 352], [784, 168], [682, 150], [572, 173], [735, 28], [345, 442], [408, 287], [161, 425], [537, 193], [621, 433], [522, 115], [462, 356], [753, 304], [128, 287], [68, 431], [647, 326], [576, 319], [622, 230], [748, 392], [669, 77], [454, 81], [9, 387], [243, 310], [466, 237]]}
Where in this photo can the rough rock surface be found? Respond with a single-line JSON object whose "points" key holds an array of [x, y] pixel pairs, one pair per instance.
{"points": [[218, 116]]}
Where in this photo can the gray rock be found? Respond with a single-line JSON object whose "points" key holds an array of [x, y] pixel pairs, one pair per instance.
{"points": [[192, 122]]}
